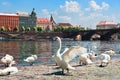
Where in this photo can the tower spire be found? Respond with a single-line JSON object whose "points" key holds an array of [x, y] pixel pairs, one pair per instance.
{"points": [[52, 21]]}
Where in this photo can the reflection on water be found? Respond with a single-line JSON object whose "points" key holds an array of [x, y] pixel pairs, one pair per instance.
{"points": [[45, 49]]}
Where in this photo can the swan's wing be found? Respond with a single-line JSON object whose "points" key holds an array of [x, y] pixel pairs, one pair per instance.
{"points": [[73, 52], [64, 51]]}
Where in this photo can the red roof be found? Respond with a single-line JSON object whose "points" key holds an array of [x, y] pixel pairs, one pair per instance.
{"points": [[43, 20], [106, 23], [64, 24]]}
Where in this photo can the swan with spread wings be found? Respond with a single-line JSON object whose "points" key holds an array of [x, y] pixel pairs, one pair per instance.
{"points": [[63, 59]]}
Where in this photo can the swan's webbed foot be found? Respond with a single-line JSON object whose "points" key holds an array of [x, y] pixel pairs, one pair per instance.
{"points": [[66, 74], [6, 65], [63, 72]]}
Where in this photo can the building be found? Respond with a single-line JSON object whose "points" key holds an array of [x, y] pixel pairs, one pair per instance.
{"points": [[106, 25], [52, 21], [118, 25], [27, 20], [9, 21], [64, 25], [45, 23]]}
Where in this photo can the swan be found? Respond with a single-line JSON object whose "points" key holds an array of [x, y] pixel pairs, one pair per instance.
{"points": [[105, 58], [63, 59], [31, 59], [54, 58], [110, 52], [86, 58], [8, 71], [8, 60]]}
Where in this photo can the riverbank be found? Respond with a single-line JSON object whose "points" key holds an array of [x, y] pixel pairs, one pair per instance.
{"points": [[52, 72]]}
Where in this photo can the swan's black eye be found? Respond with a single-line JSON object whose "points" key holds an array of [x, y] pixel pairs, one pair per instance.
{"points": [[56, 38]]}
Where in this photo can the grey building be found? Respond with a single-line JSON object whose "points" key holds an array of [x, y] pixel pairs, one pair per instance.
{"points": [[27, 20]]}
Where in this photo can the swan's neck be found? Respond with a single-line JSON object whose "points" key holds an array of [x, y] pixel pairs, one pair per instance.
{"points": [[59, 48]]}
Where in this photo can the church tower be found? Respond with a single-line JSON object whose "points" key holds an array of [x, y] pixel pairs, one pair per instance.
{"points": [[52, 21]]}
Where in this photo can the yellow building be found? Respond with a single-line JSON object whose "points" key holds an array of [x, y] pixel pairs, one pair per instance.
{"points": [[106, 25]]}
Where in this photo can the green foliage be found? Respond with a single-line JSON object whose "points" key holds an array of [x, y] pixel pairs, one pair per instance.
{"points": [[58, 29], [2, 28], [28, 29], [35, 29], [67, 29], [88, 28], [15, 29], [23, 28], [39, 29]]}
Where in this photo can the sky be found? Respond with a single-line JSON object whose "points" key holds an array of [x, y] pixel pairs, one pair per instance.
{"points": [[86, 13]]}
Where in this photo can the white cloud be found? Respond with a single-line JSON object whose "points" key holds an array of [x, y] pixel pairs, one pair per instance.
{"points": [[105, 6], [5, 3], [94, 6], [45, 11], [70, 12], [71, 6], [65, 18]]}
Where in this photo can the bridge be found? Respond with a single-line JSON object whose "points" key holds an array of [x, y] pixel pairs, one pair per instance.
{"points": [[106, 34], [102, 34]]}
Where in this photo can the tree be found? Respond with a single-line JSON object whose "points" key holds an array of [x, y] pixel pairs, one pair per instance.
{"points": [[28, 29], [2, 28], [15, 29], [23, 28], [39, 29], [35, 29], [9, 29]]}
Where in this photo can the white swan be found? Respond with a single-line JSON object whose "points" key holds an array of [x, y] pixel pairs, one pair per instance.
{"points": [[110, 52], [54, 58], [86, 58], [8, 71], [8, 60], [63, 60], [31, 59], [105, 58]]}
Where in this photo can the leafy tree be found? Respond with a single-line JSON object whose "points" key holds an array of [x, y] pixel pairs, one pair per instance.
{"points": [[15, 29], [23, 28], [35, 29], [88, 28], [2, 28], [39, 29], [58, 29], [9, 29], [28, 29], [67, 29]]}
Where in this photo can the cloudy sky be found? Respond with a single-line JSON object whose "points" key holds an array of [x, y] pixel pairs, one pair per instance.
{"points": [[86, 13]]}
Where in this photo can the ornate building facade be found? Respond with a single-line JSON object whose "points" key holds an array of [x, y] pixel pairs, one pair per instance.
{"points": [[27, 20], [45, 24], [9, 21]]}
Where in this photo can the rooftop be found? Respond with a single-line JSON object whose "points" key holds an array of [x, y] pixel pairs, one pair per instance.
{"points": [[64, 24], [43, 20], [107, 23], [22, 13]]}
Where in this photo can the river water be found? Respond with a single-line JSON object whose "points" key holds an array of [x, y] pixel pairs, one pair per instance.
{"points": [[45, 49]]}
